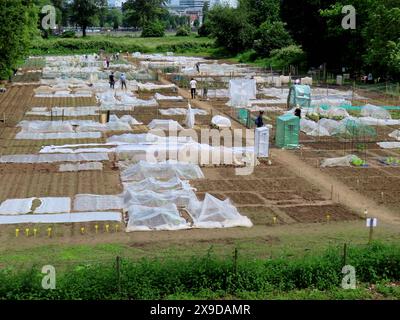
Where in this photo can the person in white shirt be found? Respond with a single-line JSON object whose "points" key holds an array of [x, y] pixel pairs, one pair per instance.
{"points": [[123, 81], [193, 84]]}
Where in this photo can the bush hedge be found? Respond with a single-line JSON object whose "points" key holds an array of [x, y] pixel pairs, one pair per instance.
{"points": [[205, 276], [93, 45]]}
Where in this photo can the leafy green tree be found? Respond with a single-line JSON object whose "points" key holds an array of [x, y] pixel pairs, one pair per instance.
{"points": [[142, 12], [270, 36], [85, 13], [114, 18], [230, 28], [17, 29], [373, 45], [260, 11]]}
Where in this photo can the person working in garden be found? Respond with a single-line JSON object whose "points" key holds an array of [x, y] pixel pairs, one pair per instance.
{"points": [[193, 84], [297, 111], [259, 121], [112, 80], [123, 81]]}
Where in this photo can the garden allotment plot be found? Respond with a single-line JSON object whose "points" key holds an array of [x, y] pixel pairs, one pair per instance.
{"points": [[55, 144]]}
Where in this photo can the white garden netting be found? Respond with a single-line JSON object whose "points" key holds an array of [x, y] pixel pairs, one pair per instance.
{"points": [[142, 218], [150, 198], [241, 91], [155, 185], [215, 213], [372, 111], [161, 124]]}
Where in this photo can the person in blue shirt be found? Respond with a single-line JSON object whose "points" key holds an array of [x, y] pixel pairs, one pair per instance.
{"points": [[259, 121]]}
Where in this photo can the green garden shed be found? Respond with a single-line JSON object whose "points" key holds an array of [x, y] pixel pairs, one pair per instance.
{"points": [[287, 131]]}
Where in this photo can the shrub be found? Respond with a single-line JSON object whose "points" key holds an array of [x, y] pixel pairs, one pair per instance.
{"points": [[183, 31], [204, 31], [153, 29], [68, 34], [283, 57], [207, 276]]}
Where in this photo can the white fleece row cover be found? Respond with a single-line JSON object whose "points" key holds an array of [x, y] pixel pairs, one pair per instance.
{"points": [[92, 202], [181, 111], [57, 135], [66, 112], [162, 170], [73, 167], [49, 158], [160, 97], [23, 206], [389, 144], [62, 217]]}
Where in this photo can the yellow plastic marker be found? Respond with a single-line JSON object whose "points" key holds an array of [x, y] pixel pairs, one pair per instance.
{"points": [[34, 232], [274, 218], [107, 227], [82, 230], [96, 227], [27, 232], [16, 232], [116, 227], [328, 217], [49, 232]]}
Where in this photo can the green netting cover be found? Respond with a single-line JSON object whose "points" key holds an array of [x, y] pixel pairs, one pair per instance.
{"points": [[287, 131], [299, 95], [350, 128]]}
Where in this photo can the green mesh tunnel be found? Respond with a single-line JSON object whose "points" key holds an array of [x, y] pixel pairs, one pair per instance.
{"points": [[352, 129], [299, 95]]}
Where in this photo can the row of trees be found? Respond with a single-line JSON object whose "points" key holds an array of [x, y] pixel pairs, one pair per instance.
{"points": [[145, 14], [311, 31]]}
